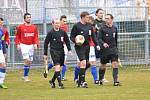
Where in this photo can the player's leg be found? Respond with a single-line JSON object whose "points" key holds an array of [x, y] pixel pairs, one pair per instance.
{"points": [[76, 71], [64, 68], [2, 70], [114, 60], [27, 53], [102, 69], [63, 71], [92, 61], [50, 66], [94, 72]]}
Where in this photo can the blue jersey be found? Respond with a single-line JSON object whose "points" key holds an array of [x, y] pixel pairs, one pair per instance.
{"points": [[2, 43]]}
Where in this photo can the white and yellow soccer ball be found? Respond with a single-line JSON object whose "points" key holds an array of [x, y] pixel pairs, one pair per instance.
{"points": [[79, 39]]}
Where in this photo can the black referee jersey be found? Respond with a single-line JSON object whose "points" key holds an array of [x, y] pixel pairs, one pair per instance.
{"points": [[108, 35], [83, 29], [56, 40]]}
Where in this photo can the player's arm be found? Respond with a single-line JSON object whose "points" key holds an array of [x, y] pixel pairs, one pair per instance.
{"points": [[18, 37], [7, 39], [3, 45], [36, 37], [46, 43], [95, 40], [67, 42], [116, 37], [99, 37], [73, 33]]}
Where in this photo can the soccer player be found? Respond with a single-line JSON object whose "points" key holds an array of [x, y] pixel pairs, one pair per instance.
{"points": [[98, 22], [85, 29], [26, 41], [92, 57], [108, 41], [2, 58], [63, 26], [6, 34], [56, 37]]}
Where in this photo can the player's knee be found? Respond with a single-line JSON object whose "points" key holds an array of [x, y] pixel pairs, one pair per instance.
{"points": [[115, 64], [92, 63], [83, 64], [2, 65], [57, 67], [27, 62], [103, 66]]}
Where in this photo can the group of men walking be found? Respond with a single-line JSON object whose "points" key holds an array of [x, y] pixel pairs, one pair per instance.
{"points": [[100, 42]]}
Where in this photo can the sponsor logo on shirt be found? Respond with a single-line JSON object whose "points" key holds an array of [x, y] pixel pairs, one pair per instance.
{"points": [[28, 34]]}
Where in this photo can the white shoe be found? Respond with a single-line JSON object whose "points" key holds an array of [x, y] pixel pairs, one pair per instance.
{"points": [[26, 79], [105, 80]]}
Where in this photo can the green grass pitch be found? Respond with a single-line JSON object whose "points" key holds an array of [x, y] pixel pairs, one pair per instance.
{"points": [[135, 86]]}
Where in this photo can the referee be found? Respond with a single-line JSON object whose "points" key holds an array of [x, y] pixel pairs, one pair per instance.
{"points": [[108, 41], [56, 37], [85, 29]]}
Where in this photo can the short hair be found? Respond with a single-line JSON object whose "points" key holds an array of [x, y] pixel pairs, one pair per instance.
{"points": [[54, 20], [63, 16], [83, 14], [98, 10], [26, 15], [1, 19], [111, 16], [91, 18]]}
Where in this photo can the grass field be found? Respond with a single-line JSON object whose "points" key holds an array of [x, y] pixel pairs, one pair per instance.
{"points": [[135, 86]]}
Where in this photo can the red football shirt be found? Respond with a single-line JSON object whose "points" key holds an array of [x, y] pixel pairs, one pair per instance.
{"points": [[27, 35], [64, 27]]}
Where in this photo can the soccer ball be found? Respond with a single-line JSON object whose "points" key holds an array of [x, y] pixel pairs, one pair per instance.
{"points": [[79, 39]]}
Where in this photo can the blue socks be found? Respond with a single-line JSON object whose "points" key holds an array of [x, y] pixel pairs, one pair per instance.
{"points": [[2, 75], [26, 70], [76, 72], [94, 72], [63, 70], [50, 65]]}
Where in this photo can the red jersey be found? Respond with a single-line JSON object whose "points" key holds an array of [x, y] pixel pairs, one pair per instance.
{"points": [[6, 35], [91, 40], [27, 35], [64, 27]]}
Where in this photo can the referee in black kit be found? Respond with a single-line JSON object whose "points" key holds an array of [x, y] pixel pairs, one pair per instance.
{"points": [[85, 29], [108, 41], [56, 37]]}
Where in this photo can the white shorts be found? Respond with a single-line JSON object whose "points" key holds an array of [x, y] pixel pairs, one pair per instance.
{"points": [[65, 51], [92, 56], [27, 51], [2, 58]]}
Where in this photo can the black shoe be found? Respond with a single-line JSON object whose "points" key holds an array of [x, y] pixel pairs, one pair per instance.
{"points": [[52, 84], [61, 86], [45, 74], [84, 85], [100, 82], [96, 82], [76, 82], [117, 84]]}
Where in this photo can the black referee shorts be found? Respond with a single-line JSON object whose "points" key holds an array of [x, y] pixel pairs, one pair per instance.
{"points": [[112, 57], [82, 52], [57, 56]]}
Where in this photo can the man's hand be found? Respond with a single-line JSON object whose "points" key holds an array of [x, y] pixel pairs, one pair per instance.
{"points": [[35, 46], [45, 57], [18, 47], [98, 47], [105, 45]]}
